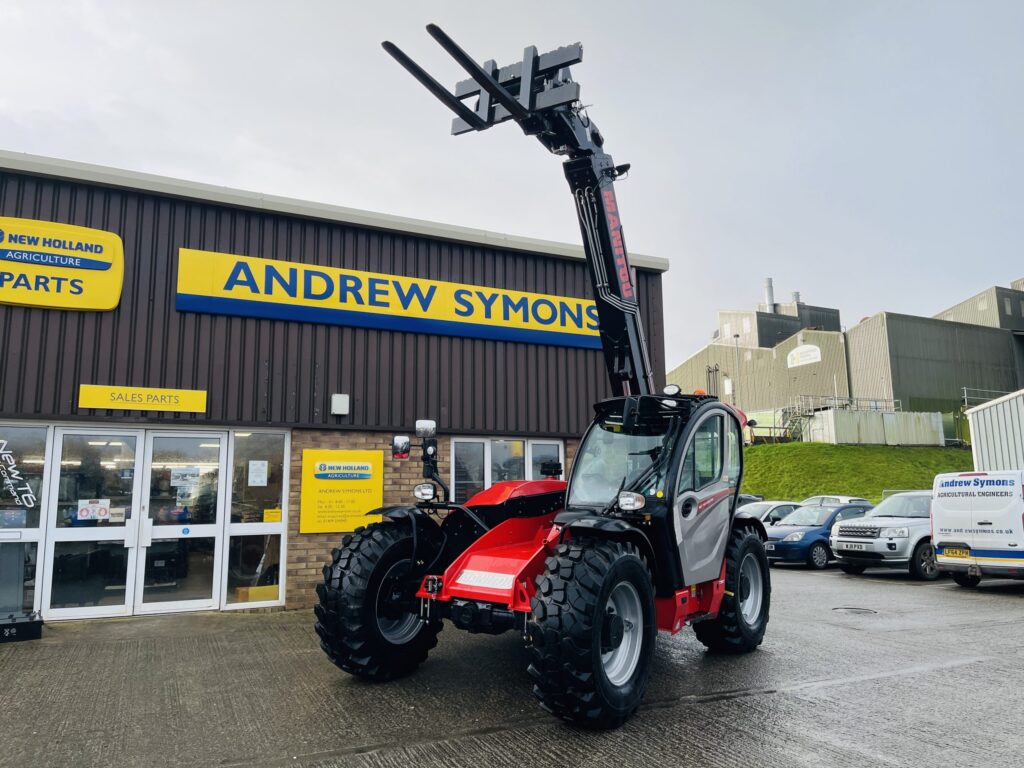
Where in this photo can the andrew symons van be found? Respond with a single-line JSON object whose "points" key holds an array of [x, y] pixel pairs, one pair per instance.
{"points": [[978, 525]]}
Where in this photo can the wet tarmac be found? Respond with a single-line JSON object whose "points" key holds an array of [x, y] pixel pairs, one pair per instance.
{"points": [[871, 670]]}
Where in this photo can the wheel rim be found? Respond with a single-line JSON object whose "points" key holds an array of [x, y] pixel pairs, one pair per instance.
{"points": [[819, 555], [929, 567], [620, 663], [401, 630], [751, 589]]}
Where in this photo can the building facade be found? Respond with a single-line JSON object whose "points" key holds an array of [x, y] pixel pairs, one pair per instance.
{"points": [[159, 438]]}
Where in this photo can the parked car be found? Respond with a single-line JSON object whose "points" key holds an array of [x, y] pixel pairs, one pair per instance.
{"points": [[822, 500], [802, 536], [767, 512], [895, 534], [978, 519], [747, 498]]}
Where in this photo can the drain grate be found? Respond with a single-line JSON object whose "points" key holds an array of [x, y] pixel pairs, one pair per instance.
{"points": [[850, 609]]}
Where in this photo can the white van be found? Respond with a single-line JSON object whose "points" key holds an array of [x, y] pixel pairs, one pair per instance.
{"points": [[978, 525]]}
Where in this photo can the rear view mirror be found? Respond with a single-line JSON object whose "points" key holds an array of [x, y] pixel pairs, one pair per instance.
{"points": [[426, 428], [751, 423], [400, 447]]}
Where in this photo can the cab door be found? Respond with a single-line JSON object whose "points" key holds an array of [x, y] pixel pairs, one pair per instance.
{"points": [[702, 508]]}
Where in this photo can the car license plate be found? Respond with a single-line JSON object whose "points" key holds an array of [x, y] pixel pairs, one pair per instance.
{"points": [[769, 547], [956, 552], [861, 547]]}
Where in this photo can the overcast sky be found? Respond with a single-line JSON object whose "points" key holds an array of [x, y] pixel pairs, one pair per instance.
{"points": [[868, 154]]}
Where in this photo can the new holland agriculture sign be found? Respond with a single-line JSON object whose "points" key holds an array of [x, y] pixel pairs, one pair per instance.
{"points": [[218, 283], [59, 266]]}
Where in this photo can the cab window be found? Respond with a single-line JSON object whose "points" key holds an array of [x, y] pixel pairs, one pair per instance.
{"points": [[733, 460], [702, 464]]}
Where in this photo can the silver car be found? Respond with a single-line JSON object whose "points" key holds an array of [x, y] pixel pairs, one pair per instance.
{"points": [[895, 534], [768, 512]]}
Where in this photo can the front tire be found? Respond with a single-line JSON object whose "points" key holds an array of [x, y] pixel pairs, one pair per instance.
{"points": [[966, 580], [853, 570], [593, 632], [922, 563], [817, 556], [363, 622], [743, 615]]}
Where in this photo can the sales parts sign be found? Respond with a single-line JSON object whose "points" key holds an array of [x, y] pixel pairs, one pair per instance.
{"points": [[339, 488], [59, 266]]}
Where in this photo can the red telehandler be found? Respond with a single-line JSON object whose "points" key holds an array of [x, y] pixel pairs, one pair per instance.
{"points": [[644, 535]]}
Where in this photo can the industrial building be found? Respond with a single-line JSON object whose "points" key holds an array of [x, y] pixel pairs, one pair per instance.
{"points": [[200, 385], [997, 433], [887, 362]]}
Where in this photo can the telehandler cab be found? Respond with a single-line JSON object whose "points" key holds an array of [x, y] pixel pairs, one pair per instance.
{"points": [[643, 537]]}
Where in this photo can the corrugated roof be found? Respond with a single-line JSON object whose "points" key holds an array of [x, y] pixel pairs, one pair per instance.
{"points": [[116, 177]]}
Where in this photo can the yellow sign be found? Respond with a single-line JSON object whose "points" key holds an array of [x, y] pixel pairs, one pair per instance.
{"points": [[221, 284], [271, 515], [60, 266], [339, 488], [142, 398]]}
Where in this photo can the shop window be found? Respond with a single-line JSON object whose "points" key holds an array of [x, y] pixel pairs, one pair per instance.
{"points": [[88, 573], [479, 463], [254, 569], [17, 577], [22, 458], [257, 479]]}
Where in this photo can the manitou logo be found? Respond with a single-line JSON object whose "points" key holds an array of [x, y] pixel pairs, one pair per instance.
{"points": [[618, 248]]}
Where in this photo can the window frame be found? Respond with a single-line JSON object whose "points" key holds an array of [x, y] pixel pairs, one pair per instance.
{"points": [[529, 444], [692, 444]]}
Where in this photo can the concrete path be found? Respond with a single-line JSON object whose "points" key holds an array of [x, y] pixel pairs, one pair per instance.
{"points": [[931, 678]]}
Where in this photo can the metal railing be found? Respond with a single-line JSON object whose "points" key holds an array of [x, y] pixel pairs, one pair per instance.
{"points": [[808, 405], [972, 396]]}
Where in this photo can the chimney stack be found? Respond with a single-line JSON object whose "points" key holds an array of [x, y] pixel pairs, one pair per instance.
{"points": [[769, 295], [796, 297]]}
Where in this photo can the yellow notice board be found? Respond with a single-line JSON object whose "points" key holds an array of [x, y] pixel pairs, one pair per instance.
{"points": [[142, 398], [59, 266], [339, 488]]}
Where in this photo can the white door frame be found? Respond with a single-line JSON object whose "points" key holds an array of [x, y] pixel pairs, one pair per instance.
{"points": [[127, 534], [147, 532]]}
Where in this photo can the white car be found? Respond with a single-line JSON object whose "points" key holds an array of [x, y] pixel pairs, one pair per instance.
{"points": [[768, 512], [817, 501], [895, 534], [978, 520]]}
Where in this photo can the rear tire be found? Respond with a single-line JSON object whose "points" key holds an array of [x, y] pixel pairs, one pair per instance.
{"points": [[593, 632], [966, 580], [850, 568], [818, 556], [358, 630], [922, 562], [743, 615]]}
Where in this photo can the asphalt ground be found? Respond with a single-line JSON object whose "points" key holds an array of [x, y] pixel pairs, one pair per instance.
{"points": [[871, 670]]}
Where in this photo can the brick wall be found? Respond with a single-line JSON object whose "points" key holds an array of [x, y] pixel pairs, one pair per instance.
{"points": [[308, 553]]}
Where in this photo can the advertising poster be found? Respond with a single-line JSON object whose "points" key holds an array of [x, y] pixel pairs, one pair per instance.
{"points": [[258, 473], [184, 477], [338, 489]]}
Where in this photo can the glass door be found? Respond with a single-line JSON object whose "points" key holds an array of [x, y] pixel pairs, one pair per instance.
{"points": [[181, 522], [92, 514]]}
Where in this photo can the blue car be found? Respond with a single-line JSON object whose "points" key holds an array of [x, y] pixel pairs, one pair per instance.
{"points": [[802, 535]]}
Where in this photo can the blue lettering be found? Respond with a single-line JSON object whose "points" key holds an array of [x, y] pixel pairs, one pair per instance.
{"points": [[308, 291], [547, 304], [76, 287], [508, 306], [415, 291], [592, 316], [350, 284], [378, 292], [42, 283], [241, 275], [567, 313], [5, 277], [464, 308], [22, 282], [488, 304], [271, 276]]}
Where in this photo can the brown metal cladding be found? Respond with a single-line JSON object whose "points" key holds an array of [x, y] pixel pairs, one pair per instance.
{"points": [[273, 372]]}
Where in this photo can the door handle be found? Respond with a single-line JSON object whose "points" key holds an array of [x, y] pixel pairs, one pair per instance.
{"points": [[687, 507], [146, 539]]}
